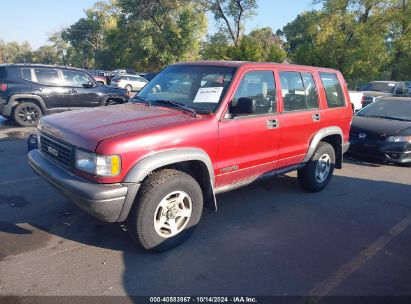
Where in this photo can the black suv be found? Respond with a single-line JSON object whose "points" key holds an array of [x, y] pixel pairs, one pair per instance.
{"points": [[29, 91]]}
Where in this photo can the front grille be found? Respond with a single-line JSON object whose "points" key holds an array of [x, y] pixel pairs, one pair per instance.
{"points": [[57, 150]]}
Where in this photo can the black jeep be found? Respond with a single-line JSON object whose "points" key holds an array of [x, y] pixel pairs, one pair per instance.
{"points": [[29, 91]]}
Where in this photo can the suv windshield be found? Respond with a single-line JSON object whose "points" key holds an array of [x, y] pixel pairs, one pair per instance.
{"points": [[197, 87], [387, 108], [386, 87]]}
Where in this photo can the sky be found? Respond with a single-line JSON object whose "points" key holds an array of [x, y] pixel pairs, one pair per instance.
{"points": [[34, 20]]}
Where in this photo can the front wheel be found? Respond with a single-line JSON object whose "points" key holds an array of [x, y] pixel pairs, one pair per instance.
{"points": [[27, 114], [166, 211], [317, 173]]}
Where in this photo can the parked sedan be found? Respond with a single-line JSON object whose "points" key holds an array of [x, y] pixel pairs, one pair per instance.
{"points": [[378, 89], [383, 130], [129, 82]]}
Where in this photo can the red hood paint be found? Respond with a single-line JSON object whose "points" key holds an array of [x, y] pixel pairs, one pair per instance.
{"points": [[87, 127]]}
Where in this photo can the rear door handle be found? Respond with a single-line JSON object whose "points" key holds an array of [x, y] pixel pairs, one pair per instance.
{"points": [[272, 124], [316, 117]]}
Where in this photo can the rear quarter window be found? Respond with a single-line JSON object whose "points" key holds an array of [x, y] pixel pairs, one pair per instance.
{"points": [[26, 74], [3, 73], [333, 90]]}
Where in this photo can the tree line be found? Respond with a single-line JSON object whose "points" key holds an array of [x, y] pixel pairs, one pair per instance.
{"points": [[364, 39]]}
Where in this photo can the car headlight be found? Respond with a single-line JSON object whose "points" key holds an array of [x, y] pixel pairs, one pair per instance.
{"points": [[100, 165], [399, 139]]}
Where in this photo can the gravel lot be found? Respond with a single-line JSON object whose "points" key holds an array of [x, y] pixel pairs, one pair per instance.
{"points": [[269, 238]]}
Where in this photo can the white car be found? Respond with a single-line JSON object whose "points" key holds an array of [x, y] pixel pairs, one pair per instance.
{"points": [[356, 100], [129, 82]]}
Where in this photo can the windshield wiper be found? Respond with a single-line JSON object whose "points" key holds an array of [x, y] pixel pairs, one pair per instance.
{"points": [[179, 105]]}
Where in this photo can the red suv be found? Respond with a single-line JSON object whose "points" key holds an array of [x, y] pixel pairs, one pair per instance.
{"points": [[196, 130]]}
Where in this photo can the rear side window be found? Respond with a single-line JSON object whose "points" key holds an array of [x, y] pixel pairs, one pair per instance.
{"points": [[298, 91], [26, 74], [47, 76], [333, 90], [3, 73]]}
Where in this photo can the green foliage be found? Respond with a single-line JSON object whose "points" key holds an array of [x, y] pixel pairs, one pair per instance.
{"points": [[15, 52], [216, 47], [259, 45], [230, 15], [349, 35], [365, 39]]}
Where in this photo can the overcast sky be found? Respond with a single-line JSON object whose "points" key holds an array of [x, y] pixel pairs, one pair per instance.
{"points": [[34, 20]]}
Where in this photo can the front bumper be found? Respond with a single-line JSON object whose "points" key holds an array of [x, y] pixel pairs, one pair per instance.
{"points": [[399, 153], [107, 202]]}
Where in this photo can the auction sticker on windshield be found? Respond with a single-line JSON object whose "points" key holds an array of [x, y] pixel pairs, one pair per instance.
{"points": [[209, 95]]}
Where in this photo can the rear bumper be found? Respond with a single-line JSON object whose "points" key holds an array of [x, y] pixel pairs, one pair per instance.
{"points": [[107, 202], [5, 108]]}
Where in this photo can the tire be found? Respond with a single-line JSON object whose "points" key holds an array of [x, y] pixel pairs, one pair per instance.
{"points": [[27, 114], [317, 173], [149, 225], [111, 102], [128, 88]]}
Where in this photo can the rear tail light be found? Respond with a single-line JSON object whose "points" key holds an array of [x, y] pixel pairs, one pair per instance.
{"points": [[3, 87]]}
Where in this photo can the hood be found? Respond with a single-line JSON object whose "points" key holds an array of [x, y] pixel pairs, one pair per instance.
{"points": [[378, 126], [86, 128]]}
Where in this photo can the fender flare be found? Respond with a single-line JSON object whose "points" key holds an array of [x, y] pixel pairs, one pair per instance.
{"points": [[334, 130], [13, 100], [157, 160]]}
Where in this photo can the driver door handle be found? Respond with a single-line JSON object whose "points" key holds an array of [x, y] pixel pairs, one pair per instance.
{"points": [[272, 124]]}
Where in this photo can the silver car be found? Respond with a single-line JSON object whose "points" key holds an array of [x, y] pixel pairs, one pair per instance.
{"points": [[129, 82]]}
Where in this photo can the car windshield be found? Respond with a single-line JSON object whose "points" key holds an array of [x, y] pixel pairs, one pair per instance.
{"points": [[388, 108], [197, 87], [386, 87]]}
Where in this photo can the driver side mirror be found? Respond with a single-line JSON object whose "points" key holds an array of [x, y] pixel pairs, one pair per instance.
{"points": [[244, 106], [88, 85]]}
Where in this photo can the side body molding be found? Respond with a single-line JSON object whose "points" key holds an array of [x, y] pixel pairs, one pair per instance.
{"points": [[160, 159], [334, 130]]}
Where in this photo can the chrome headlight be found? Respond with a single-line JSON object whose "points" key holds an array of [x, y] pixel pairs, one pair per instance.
{"points": [[399, 139], [99, 165]]}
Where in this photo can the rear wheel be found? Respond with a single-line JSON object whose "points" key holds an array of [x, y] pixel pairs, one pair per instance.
{"points": [[27, 114], [317, 173], [166, 211]]}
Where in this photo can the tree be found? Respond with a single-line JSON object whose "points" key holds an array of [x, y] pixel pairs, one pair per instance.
{"points": [[216, 47], [270, 45], [348, 35], [399, 40], [230, 15], [46, 54], [162, 31], [14, 52]]}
